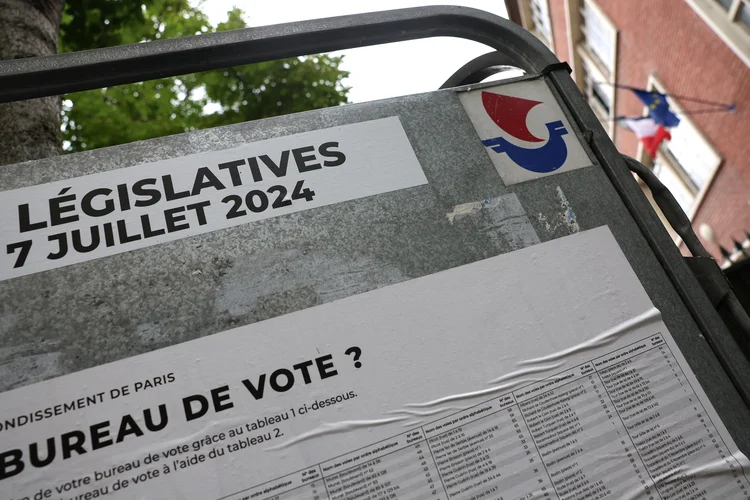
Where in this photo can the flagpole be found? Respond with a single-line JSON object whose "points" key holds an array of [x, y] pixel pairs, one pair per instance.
{"points": [[729, 107], [684, 113]]}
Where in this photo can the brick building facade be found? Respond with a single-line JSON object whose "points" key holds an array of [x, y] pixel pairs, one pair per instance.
{"points": [[694, 48]]}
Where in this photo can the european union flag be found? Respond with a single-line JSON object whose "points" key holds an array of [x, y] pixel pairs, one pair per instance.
{"points": [[658, 107]]}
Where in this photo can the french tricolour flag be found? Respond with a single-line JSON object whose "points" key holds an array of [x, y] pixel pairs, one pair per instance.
{"points": [[650, 133]]}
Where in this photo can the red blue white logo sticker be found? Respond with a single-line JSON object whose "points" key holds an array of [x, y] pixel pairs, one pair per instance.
{"points": [[524, 131]]}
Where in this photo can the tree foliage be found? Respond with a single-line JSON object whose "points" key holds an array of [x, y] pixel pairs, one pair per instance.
{"points": [[133, 112]]}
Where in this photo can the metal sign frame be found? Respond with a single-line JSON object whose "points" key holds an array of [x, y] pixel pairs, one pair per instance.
{"points": [[72, 72]]}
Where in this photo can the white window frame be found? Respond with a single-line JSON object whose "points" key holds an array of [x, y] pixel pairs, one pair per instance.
{"points": [[607, 25], [580, 55], [724, 24], [654, 83], [604, 115], [527, 19], [664, 163]]}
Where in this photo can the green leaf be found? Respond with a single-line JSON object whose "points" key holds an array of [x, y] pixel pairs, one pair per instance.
{"points": [[134, 112]]}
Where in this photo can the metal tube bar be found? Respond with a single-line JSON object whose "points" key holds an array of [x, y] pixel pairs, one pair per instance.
{"points": [[669, 207], [478, 69], [76, 71]]}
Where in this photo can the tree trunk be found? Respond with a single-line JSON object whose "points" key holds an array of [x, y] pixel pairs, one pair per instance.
{"points": [[29, 129]]}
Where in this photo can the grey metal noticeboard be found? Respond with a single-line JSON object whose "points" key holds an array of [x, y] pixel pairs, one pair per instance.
{"points": [[61, 320]]}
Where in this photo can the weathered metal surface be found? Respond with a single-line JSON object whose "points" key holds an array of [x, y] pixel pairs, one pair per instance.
{"points": [[68, 319]]}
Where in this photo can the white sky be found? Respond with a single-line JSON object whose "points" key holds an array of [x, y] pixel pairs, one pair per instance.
{"points": [[383, 70]]}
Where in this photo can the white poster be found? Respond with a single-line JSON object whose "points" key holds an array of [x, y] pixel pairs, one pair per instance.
{"points": [[75, 220], [524, 131], [542, 373]]}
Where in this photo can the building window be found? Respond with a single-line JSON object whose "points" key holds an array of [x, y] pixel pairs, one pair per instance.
{"points": [[673, 181], [743, 15], [694, 154], [736, 11], [599, 94], [535, 17], [730, 20], [540, 20], [686, 164], [598, 35], [593, 41], [726, 4]]}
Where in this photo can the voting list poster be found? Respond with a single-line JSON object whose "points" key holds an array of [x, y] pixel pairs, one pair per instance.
{"points": [[510, 377]]}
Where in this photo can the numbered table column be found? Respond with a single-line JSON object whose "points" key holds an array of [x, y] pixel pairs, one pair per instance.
{"points": [[399, 468], [584, 446], [485, 453], [668, 424], [428, 469], [303, 485]]}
